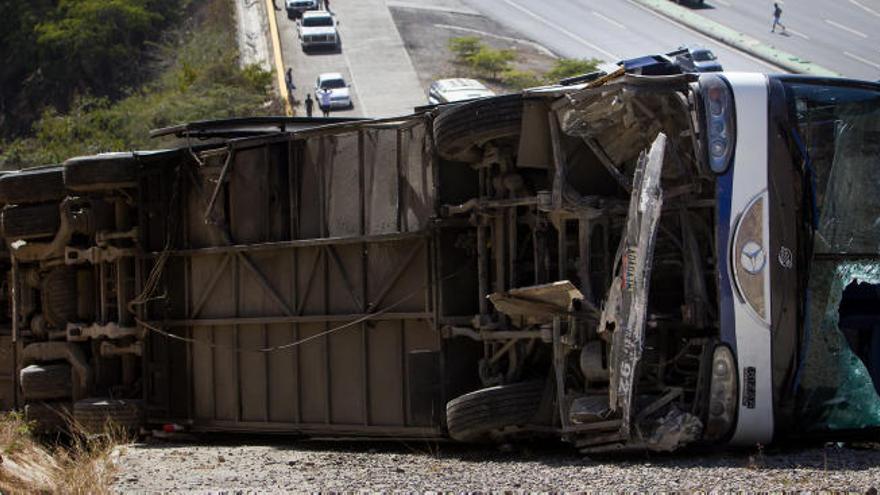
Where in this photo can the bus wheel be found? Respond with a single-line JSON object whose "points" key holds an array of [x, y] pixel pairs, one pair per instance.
{"points": [[459, 130], [98, 415], [101, 172], [46, 381], [35, 185], [30, 221], [49, 418], [494, 413]]}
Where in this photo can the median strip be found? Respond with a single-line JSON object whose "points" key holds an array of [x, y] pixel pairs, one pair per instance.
{"points": [[279, 61], [740, 41]]}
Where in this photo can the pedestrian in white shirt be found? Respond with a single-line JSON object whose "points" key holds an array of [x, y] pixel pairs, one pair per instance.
{"points": [[324, 101]]}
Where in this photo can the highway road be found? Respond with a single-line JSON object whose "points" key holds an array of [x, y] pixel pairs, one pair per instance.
{"points": [[605, 29], [841, 35]]}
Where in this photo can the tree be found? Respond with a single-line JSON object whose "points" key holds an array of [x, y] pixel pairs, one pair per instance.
{"points": [[102, 36]]}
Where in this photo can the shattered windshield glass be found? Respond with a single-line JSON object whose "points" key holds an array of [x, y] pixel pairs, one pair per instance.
{"points": [[838, 140]]}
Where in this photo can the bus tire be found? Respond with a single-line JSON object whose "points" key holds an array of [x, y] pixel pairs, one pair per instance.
{"points": [[101, 172], [48, 418], [490, 413], [40, 382], [459, 130], [30, 221], [58, 290], [36, 185], [98, 414]]}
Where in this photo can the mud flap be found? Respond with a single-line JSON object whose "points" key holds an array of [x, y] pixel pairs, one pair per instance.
{"points": [[625, 309]]}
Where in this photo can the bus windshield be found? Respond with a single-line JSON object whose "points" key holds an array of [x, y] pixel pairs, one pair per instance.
{"points": [[837, 137]]}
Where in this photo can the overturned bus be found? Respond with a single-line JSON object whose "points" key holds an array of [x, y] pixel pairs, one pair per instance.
{"points": [[634, 262]]}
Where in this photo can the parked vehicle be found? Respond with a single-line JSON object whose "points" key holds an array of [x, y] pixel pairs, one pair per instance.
{"points": [[296, 8], [695, 58], [340, 92], [458, 89], [637, 262], [317, 29]]}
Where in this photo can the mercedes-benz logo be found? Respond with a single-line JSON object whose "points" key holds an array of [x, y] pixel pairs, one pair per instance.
{"points": [[752, 257]]}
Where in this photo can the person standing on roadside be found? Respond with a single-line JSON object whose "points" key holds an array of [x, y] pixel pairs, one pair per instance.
{"points": [[309, 104], [324, 102], [777, 13]]}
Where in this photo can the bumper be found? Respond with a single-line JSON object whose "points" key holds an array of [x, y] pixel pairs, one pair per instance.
{"points": [[322, 43], [298, 10], [340, 103]]}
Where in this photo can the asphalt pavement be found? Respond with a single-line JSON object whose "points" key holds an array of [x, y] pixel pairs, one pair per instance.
{"points": [[609, 30], [842, 35], [371, 58]]}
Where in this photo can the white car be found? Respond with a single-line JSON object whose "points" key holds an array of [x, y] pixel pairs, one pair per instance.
{"points": [[317, 28], [296, 8], [459, 89], [340, 93]]}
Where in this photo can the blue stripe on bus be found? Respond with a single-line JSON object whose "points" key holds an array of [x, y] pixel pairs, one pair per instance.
{"points": [[724, 199]]}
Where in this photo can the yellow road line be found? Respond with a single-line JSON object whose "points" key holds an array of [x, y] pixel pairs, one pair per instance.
{"points": [[279, 61]]}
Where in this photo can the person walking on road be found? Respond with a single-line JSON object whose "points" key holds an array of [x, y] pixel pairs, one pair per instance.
{"points": [[309, 104], [777, 13], [327, 5], [324, 101]]}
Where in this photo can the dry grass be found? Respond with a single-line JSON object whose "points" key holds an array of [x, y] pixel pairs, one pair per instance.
{"points": [[82, 464]]}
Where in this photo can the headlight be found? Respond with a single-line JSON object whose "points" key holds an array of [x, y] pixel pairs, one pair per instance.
{"points": [[722, 394], [720, 126]]}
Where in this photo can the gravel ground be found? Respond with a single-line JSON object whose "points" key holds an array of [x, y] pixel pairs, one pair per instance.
{"points": [[244, 463]]}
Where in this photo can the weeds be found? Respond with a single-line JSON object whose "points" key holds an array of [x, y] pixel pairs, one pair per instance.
{"points": [[498, 65], [81, 464]]}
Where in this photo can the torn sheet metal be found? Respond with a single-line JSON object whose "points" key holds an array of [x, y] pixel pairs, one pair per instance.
{"points": [[674, 430], [537, 303], [626, 307]]}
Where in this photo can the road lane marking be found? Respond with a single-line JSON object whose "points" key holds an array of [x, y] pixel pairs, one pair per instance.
{"points": [[609, 20], [862, 60], [708, 39], [362, 106], [865, 8], [537, 46], [437, 8], [800, 35], [562, 30], [848, 29]]}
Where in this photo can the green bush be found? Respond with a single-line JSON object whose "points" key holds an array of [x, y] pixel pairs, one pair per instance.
{"points": [[570, 67], [521, 79], [201, 79], [491, 62], [464, 48]]}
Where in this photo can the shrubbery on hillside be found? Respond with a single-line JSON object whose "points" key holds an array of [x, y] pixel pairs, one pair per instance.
{"points": [[199, 77]]}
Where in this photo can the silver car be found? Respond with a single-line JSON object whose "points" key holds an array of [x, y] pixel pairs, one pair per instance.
{"points": [[317, 29]]}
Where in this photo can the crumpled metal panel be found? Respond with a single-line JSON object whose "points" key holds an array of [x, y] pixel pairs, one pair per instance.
{"points": [[674, 430], [538, 302], [625, 309]]}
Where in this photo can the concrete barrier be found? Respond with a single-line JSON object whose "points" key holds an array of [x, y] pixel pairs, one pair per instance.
{"points": [[740, 41]]}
